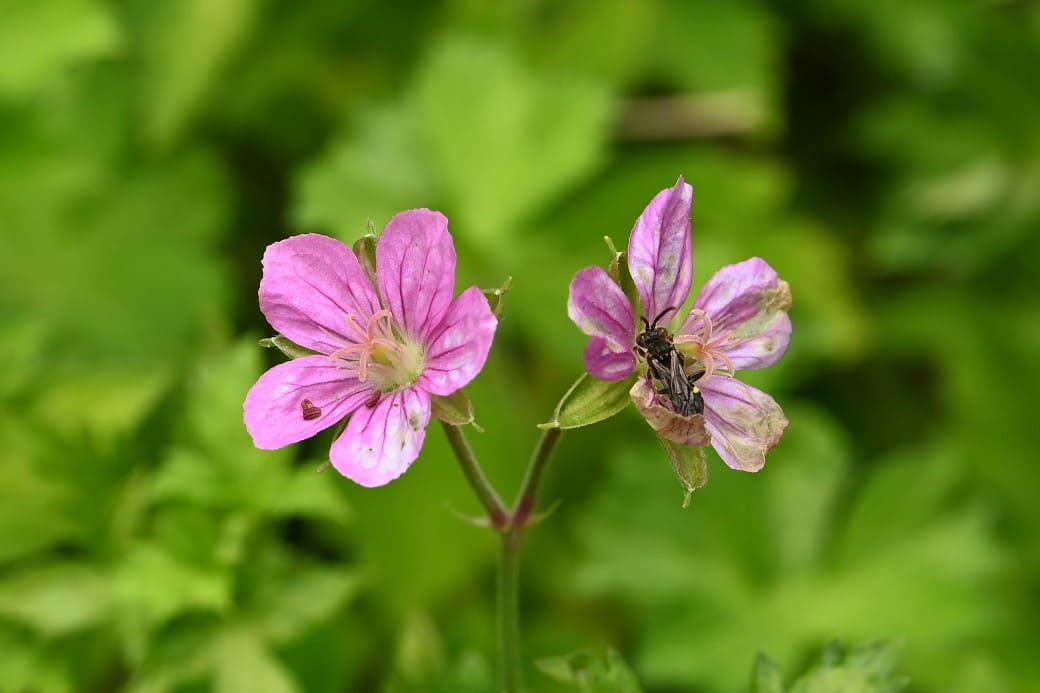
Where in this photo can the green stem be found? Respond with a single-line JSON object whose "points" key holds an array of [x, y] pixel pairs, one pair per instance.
{"points": [[511, 526], [527, 499], [509, 564], [493, 505], [509, 662]]}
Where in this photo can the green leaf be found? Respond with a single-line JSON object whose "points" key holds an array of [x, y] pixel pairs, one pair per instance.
{"points": [[481, 111], [304, 598], [29, 665], [177, 81], [107, 315], [243, 663], [864, 669], [590, 400], [364, 176], [420, 650], [692, 33], [40, 39], [58, 599], [690, 465], [215, 464], [591, 673], [106, 401], [151, 587], [30, 499], [766, 676]]}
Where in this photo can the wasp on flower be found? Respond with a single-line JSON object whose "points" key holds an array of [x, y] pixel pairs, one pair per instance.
{"points": [[738, 321]]}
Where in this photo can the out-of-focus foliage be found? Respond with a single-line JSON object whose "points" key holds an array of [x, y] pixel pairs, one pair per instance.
{"points": [[864, 669], [589, 673], [883, 156]]}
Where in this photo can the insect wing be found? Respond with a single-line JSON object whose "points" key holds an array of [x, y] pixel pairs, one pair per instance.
{"points": [[678, 385]]}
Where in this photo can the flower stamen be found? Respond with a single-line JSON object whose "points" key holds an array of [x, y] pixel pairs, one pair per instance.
{"points": [[709, 351], [380, 348]]}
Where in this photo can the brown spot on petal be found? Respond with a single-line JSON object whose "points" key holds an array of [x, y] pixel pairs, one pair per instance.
{"points": [[374, 399], [310, 412]]}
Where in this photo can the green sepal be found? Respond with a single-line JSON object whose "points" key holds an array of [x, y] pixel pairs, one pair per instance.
{"points": [[365, 250], [690, 465], [496, 297], [617, 268], [287, 347], [455, 409], [590, 400]]}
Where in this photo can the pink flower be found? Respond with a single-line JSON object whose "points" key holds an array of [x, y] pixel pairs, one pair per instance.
{"points": [[382, 351], [738, 321]]}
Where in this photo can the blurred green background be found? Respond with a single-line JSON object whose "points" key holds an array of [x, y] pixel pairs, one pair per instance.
{"points": [[883, 156]]}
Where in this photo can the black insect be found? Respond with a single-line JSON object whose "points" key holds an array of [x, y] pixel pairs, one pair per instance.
{"points": [[666, 364]]}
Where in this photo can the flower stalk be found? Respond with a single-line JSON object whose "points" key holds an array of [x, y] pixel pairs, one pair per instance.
{"points": [[509, 661], [496, 510], [511, 526]]}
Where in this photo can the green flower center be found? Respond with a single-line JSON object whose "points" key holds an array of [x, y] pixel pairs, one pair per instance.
{"points": [[383, 355]]}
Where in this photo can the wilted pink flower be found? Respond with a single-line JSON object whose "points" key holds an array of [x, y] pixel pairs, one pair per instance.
{"points": [[382, 351], [738, 321]]}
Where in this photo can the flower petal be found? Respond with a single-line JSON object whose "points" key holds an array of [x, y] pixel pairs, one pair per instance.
{"points": [[381, 442], [460, 345], [744, 422], [747, 304], [415, 264], [600, 308], [670, 425], [660, 250], [602, 361], [310, 284], [274, 408]]}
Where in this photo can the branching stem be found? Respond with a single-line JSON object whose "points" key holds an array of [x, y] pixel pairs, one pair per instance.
{"points": [[510, 526]]}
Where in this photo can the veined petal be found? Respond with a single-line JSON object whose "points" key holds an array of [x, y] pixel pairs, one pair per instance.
{"points": [[310, 284], [275, 412], [747, 304], [381, 442], [605, 363], [459, 347], [670, 425], [660, 250], [600, 308], [744, 422], [415, 265]]}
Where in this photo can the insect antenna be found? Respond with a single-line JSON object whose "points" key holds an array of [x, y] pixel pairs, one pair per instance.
{"points": [[660, 315]]}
